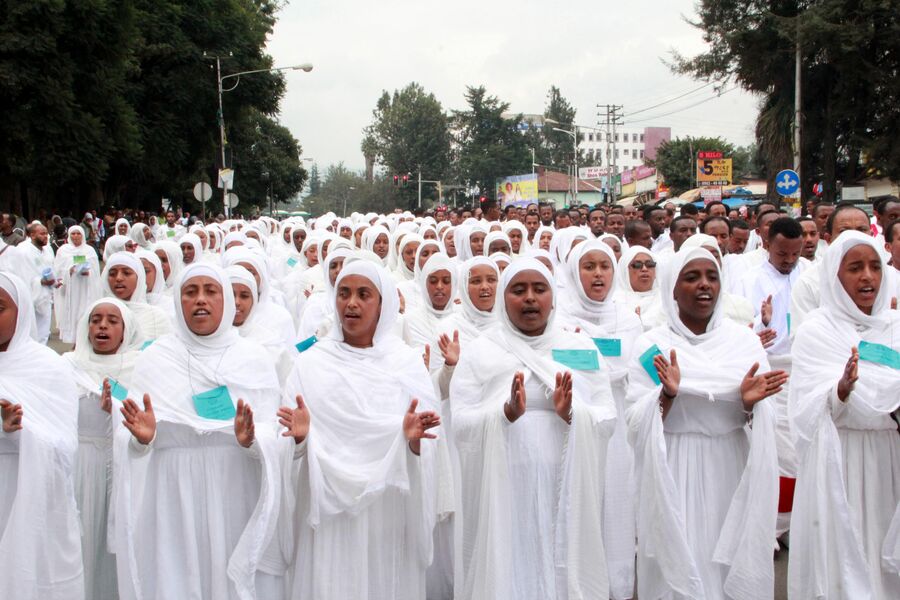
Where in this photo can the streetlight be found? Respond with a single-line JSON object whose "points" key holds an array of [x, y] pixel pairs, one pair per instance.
{"points": [[574, 135], [347, 193], [305, 67]]}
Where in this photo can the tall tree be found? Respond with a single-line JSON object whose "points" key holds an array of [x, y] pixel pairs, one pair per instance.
{"points": [[560, 114], [490, 146], [850, 54]]}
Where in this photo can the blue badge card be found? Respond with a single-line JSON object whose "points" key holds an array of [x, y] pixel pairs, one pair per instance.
{"points": [[306, 344], [646, 360], [292, 262], [146, 344], [789, 323], [215, 404], [879, 353], [117, 390], [580, 360], [609, 346]]}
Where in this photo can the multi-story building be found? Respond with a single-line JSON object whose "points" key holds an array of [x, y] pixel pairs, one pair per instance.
{"points": [[630, 146]]}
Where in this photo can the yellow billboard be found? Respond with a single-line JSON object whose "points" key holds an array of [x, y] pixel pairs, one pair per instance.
{"points": [[713, 169]]}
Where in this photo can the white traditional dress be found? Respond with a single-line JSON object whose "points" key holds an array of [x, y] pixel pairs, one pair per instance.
{"points": [[93, 464], [79, 270], [40, 545], [848, 482], [363, 498], [196, 512], [153, 322], [529, 519]]}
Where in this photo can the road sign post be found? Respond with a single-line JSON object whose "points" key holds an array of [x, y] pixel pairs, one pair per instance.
{"points": [[202, 193]]}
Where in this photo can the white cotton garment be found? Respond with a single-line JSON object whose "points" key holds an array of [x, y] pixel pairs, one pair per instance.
{"points": [[93, 463], [647, 305], [195, 512], [30, 265], [40, 545], [844, 526], [79, 270], [422, 322], [529, 518], [363, 498], [153, 322], [614, 328], [707, 487]]}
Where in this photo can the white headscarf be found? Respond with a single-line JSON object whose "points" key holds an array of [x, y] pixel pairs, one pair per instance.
{"points": [[579, 304], [670, 307], [122, 221], [390, 302], [92, 368], [369, 237], [126, 259], [478, 320], [41, 544], [403, 272], [138, 237], [650, 302], [115, 243], [176, 263], [194, 240], [493, 237]]}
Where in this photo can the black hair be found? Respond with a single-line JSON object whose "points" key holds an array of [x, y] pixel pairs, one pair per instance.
{"points": [[689, 209], [759, 206], [739, 224], [708, 220], [787, 227], [675, 221], [841, 207], [889, 231], [595, 209], [818, 204], [716, 203], [648, 210], [632, 227]]}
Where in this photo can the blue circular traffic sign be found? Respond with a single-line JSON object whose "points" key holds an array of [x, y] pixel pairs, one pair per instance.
{"points": [[787, 182]]}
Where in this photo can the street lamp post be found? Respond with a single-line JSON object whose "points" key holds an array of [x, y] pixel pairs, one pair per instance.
{"points": [[574, 135], [347, 193], [305, 67]]}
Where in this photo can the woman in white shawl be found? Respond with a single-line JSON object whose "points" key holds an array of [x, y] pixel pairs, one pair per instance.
{"points": [[378, 240], [532, 414], [613, 328], [318, 314], [197, 471], [250, 325], [103, 360], [191, 248], [169, 255], [366, 487], [406, 263], [122, 227], [707, 488], [124, 278], [845, 385], [77, 266], [411, 289], [637, 286], [154, 276], [40, 542], [518, 236], [737, 308], [421, 324], [543, 238], [141, 235], [497, 241], [117, 243]]}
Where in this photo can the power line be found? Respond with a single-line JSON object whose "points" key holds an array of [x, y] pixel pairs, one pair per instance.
{"points": [[671, 99], [654, 117]]}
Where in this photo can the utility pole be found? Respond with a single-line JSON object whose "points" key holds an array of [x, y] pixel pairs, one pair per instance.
{"points": [[419, 167], [575, 167], [613, 117], [798, 68]]}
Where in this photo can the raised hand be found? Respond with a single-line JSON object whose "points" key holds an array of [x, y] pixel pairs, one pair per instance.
{"points": [[850, 375], [106, 397], [515, 406], [758, 387], [244, 429], [426, 357], [416, 426], [562, 396], [449, 348], [767, 337], [402, 302], [765, 311], [12, 416], [894, 303], [669, 373], [295, 420], [141, 423]]}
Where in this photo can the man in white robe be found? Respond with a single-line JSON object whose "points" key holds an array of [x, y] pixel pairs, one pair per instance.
{"points": [[34, 265]]}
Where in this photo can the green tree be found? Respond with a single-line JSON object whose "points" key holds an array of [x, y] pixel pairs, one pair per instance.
{"points": [[850, 54], [409, 132], [676, 160], [490, 146], [561, 115], [315, 183]]}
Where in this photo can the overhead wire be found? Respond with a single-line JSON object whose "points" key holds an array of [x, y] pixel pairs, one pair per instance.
{"points": [[670, 100], [690, 106]]}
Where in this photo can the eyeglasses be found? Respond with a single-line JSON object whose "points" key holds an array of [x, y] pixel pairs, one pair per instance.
{"points": [[640, 264]]}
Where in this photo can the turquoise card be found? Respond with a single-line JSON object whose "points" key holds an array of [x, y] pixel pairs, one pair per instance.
{"points": [[789, 323], [580, 360], [609, 346], [117, 390], [215, 404], [146, 344], [292, 261], [879, 353], [646, 360], [306, 344]]}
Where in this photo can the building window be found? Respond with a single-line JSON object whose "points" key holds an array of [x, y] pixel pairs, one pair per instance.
{"points": [[590, 137], [634, 154], [642, 138], [607, 153], [642, 155], [617, 137]]}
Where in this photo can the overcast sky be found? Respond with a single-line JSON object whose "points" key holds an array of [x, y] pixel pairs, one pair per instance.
{"points": [[595, 52]]}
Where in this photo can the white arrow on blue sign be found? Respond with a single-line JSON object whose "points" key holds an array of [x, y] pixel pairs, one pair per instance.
{"points": [[787, 182]]}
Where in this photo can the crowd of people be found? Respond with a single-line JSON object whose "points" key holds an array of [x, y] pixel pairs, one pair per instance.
{"points": [[472, 404]]}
